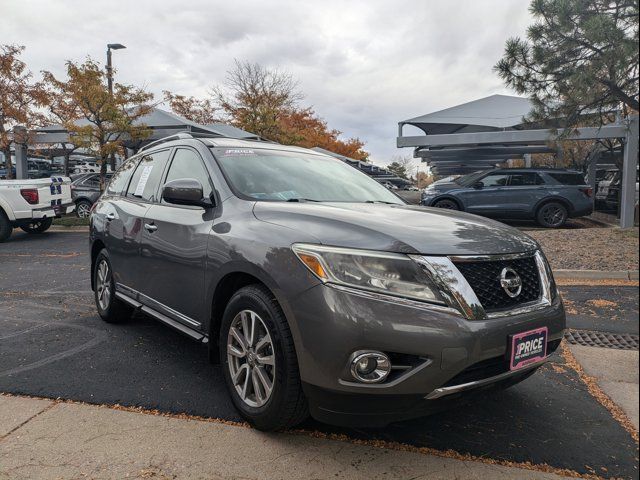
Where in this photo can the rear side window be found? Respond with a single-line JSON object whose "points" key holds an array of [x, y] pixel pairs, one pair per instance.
{"points": [[119, 180], [568, 178], [495, 180], [525, 179], [188, 164], [145, 180]]}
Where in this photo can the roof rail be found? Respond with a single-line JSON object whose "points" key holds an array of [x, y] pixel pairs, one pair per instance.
{"points": [[170, 138]]}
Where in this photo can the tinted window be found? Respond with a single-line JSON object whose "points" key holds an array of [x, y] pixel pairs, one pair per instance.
{"points": [[145, 180], [94, 180], [264, 174], [567, 178], [119, 180], [495, 180], [525, 179], [188, 164]]}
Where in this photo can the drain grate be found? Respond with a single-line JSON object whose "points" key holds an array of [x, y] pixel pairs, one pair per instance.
{"points": [[588, 338]]}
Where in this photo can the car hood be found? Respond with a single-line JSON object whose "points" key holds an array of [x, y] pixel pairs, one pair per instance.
{"points": [[442, 187], [396, 228]]}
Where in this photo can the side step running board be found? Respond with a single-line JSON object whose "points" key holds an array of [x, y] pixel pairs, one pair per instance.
{"points": [[163, 318]]}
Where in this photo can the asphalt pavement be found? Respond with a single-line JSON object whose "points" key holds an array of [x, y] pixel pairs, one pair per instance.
{"points": [[53, 344]]}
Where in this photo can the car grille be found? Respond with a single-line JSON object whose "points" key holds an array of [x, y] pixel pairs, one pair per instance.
{"points": [[484, 278]]}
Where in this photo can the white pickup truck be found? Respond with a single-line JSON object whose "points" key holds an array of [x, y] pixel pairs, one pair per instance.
{"points": [[32, 204]]}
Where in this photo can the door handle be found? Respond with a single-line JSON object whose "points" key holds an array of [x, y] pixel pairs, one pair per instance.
{"points": [[150, 227], [110, 216]]}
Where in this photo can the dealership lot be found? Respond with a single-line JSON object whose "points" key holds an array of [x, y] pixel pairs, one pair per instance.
{"points": [[53, 344]]}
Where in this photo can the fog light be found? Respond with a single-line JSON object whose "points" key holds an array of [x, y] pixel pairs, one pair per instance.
{"points": [[370, 367]]}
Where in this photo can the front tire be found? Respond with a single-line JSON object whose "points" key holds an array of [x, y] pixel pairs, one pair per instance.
{"points": [[552, 215], [37, 226], [110, 309], [259, 361]]}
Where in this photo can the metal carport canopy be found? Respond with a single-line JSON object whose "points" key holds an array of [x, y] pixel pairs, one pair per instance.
{"points": [[476, 131]]}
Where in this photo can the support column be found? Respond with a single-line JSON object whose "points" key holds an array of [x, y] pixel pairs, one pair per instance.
{"points": [[20, 145], [527, 160], [629, 168]]}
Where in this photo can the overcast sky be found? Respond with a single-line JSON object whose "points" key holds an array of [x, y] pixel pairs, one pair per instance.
{"points": [[363, 65]]}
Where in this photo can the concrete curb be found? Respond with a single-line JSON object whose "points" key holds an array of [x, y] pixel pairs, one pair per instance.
{"points": [[596, 274], [61, 228]]}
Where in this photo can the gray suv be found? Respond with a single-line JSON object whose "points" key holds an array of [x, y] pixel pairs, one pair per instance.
{"points": [[317, 289], [549, 196]]}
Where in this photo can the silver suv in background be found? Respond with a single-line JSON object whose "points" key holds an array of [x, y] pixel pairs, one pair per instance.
{"points": [[549, 196], [316, 289]]}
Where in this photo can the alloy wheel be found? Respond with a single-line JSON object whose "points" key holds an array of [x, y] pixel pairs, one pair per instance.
{"points": [[103, 284], [553, 215], [83, 210], [251, 358]]}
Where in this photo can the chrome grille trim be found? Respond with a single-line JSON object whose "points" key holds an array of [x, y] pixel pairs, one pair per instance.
{"points": [[459, 294]]}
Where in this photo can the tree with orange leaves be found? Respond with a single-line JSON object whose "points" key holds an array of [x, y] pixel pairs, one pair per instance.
{"points": [[96, 120], [20, 98], [201, 111]]}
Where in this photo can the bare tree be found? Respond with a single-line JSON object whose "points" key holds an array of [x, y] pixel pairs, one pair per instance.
{"points": [[254, 97]]}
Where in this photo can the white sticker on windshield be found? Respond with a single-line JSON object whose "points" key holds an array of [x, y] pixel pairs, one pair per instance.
{"points": [[146, 171]]}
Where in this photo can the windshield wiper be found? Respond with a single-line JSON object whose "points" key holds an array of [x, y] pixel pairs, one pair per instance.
{"points": [[380, 201], [303, 200]]}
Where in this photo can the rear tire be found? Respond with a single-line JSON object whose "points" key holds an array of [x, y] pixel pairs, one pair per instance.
{"points": [[37, 226], [447, 204], [83, 209], [110, 309], [552, 215], [5, 227], [266, 352]]}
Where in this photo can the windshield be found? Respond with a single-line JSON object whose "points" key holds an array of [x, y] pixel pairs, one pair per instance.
{"points": [[470, 179], [279, 175]]}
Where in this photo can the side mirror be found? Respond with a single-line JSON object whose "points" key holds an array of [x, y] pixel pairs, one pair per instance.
{"points": [[478, 185], [185, 191]]}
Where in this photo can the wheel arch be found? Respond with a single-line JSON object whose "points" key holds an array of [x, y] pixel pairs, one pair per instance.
{"points": [[7, 210], [230, 282], [96, 247], [555, 199], [449, 197]]}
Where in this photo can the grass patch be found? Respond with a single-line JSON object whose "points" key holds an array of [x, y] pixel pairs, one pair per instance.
{"points": [[71, 221]]}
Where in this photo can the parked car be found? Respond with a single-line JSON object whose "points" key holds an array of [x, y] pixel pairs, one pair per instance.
{"points": [[33, 204], [316, 288], [411, 188], [612, 199], [85, 190], [549, 196], [602, 186], [86, 167]]}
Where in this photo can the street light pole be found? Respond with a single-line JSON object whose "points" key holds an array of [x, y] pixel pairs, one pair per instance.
{"points": [[111, 46]]}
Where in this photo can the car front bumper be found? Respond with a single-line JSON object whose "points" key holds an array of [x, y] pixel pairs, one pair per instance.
{"points": [[334, 322]]}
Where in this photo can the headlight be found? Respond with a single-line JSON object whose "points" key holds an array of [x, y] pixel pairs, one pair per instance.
{"points": [[388, 273]]}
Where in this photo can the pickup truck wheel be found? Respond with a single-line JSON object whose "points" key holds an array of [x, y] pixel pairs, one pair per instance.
{"points": [[552, 215], [83, 208], [5, 227], [110, 309], [447, 204], [259, 361], [37, 226]]}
